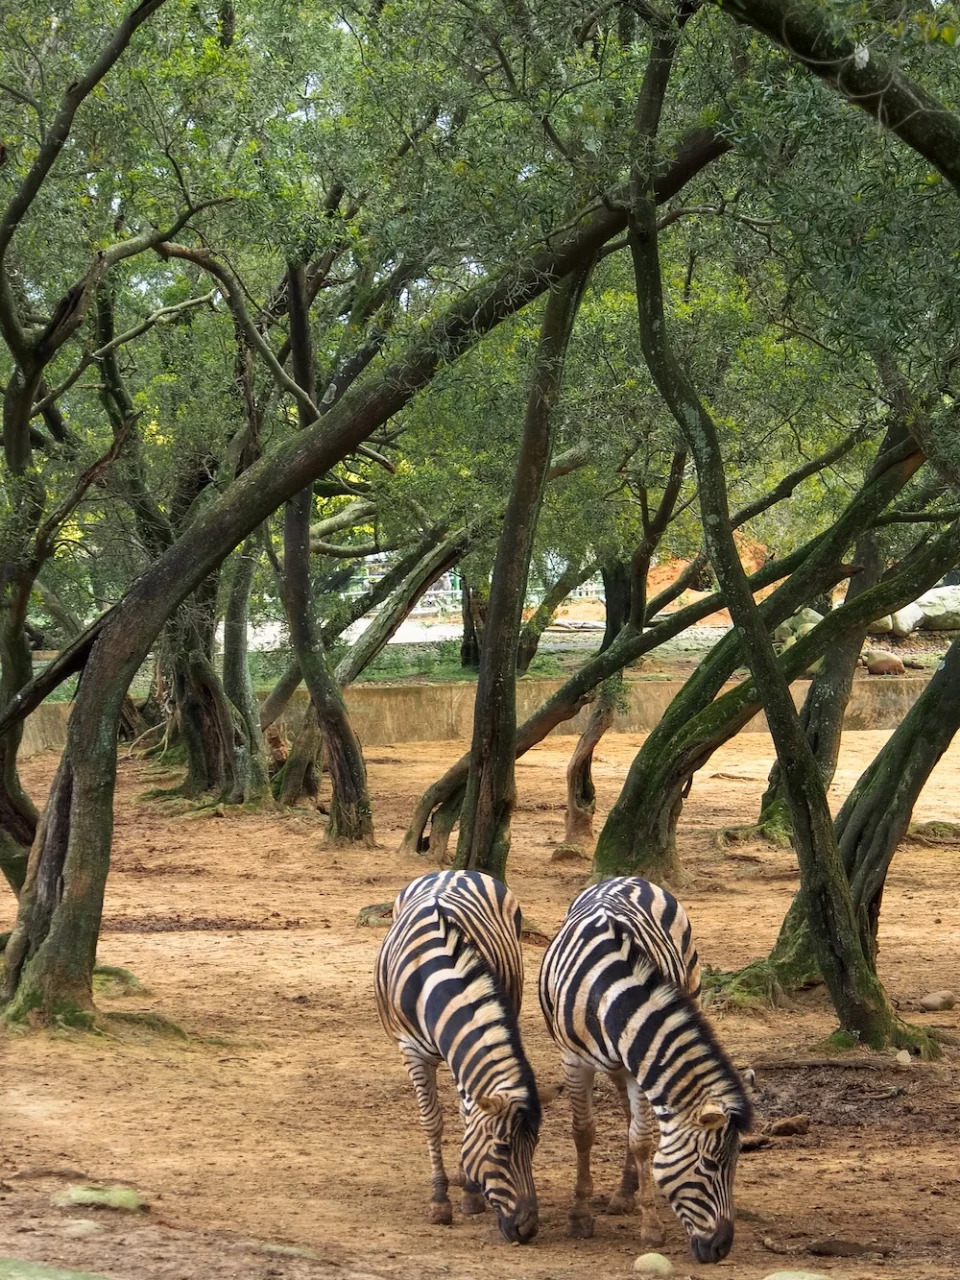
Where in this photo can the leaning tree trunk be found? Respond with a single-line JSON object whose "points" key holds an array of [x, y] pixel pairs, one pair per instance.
{"points": [[857, 995], [484, 839], [825, 705], [875, 817], [581, 792], [251, 760], [532, 633], [18, 815], [49, 961], [351, 818]]}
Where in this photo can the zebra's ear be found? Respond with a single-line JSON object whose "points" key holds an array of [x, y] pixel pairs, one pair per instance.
{"points": [[712, 1115], [494, 1104], [548, 1093]]}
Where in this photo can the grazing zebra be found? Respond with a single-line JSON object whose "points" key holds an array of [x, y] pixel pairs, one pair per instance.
{"points": [[620, 990], [449, 981]]}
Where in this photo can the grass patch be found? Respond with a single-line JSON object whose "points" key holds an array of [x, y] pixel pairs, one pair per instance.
{"points": [[146, 1020], [113, 982], [124, 1199]]}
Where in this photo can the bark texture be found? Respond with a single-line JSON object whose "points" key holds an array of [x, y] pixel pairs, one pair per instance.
{"points": [[484, 839], [857, 995]]}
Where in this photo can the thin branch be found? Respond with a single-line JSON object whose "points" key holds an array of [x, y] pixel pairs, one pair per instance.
{"points": [[162, 313], [234, 296]]}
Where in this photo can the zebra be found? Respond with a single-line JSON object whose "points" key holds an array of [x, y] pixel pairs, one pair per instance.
{"points": [[620, 991], [449, 981]]}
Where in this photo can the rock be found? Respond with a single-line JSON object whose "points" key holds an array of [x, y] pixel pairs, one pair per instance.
{"points": [[653, 1264], [903, 1058], [941, 609], [937, 1000], [882, 663], [807, 618], [801, 622], [880, 626], [906, 620], [796, 1275], [789, 1126]]}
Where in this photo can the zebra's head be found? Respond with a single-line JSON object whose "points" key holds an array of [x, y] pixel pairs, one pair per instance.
{"points": [[501, 1134], [694, 1167]]}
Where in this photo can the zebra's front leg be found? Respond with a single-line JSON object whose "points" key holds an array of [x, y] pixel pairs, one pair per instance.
{"points": [[644, 1138], [423, 1075], [472, 1201], [579, 1085], [624, 1199]]}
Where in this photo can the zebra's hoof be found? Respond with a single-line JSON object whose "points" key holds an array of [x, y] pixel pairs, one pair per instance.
{"points": [[652, 1234], [619, 1205], [440, 1214], [472, 1202], [580, 1226]]}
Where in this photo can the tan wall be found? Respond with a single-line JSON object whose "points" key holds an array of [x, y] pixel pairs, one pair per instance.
{"points": [[390, 713], [384, 714]]}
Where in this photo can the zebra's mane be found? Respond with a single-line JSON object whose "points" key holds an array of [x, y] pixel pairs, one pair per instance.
{"points": [[664, 993], [470, 963]]}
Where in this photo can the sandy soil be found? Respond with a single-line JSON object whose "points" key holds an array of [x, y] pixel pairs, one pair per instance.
{"points": [[285, 1117]]}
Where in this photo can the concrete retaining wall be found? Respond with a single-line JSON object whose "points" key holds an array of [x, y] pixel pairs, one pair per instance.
{"points": [[389, 713]]}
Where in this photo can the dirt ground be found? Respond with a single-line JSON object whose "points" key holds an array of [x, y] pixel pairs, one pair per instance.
{"points": [[280, 1137]]}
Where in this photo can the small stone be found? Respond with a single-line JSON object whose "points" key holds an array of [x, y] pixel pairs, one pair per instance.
{"points": [[903, 1058], [653, 1264], [789, 1126], [937, 1000], [796, 1275], [882, 663]]}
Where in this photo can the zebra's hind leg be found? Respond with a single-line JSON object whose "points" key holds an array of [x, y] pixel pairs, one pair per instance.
{"points": [[423, 1075], [472, 1201], [579, 1086], [624, 1199], [644, 1139]]}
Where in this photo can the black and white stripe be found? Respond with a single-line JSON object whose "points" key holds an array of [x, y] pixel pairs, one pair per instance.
{"points": [[449, 982], [620, 988]]}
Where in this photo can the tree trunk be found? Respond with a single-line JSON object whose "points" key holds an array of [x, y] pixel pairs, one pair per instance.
{"points": [[351, 819], [875, 817], [484, 839], [18, 815], [581, 793], [857, 995], [826, 702], [252, 767], [473, 607], [49, 960], [617, 595], [299, 776]]}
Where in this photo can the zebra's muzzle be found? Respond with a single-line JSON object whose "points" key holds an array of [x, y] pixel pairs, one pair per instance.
{"points": [[521, 1226], [713, 1248]]}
